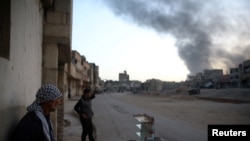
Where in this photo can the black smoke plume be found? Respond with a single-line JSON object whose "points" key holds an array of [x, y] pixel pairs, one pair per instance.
{"points": [[200, 28]]}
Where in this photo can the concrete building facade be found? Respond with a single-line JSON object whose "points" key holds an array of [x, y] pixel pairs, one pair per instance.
{"points": [[78, 76], [245, 74], [123, 77], [239, 77], [21, 65], [235, 77], [94, 78], [123, 82], [153, 85], [35, 46], [212, 75]]}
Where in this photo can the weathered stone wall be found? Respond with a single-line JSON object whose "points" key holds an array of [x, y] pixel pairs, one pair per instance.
{"points": [[20, 74], [57, 52]]}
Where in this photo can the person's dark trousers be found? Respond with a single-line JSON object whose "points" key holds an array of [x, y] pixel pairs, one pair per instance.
{"points": [[87, 129]]}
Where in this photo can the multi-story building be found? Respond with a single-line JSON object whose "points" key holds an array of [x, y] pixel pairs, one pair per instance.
{"points": [[78, 76], [212, 77], [111, 86], [225, 81], [123, 77], [94, 77], [245, 77], [195, 80], [35, 45], [124, 81], [135, 85], [85, 73], [238, 77], [235, 77], [169, 85], [154, 85]]}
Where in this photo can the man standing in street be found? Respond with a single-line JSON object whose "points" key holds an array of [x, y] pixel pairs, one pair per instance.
{"points": [[84, 109]]}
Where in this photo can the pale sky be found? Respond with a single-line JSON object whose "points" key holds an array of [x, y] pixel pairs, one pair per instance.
{"points": [[115, 42]]}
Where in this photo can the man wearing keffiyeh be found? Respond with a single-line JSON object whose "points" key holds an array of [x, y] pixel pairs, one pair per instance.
{"points": [[36, 124]]}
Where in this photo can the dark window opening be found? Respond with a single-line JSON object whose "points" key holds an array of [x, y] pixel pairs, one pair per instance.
{"points": [[5, 29]]}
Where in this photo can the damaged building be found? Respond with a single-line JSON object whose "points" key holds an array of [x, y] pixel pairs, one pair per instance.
{"points": [[238, 77]]}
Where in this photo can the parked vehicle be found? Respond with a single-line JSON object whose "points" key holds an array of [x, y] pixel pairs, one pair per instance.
{"points": [[193, 91]]}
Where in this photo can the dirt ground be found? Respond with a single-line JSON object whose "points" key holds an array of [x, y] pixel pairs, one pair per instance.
{"points": [[194, 110]]}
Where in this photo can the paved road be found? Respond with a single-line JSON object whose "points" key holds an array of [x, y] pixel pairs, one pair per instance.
{"points": [[114, 121]]}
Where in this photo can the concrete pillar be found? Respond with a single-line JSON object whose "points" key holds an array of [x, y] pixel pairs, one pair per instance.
{"points": [[50, 72], [62, 85], [50, 64], [56, 52]]}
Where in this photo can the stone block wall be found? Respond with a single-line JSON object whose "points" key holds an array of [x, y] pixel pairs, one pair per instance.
{"points": [[57, 52]]}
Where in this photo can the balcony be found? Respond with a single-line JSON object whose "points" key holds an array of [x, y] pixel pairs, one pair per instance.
{"points": [[72, 70]]}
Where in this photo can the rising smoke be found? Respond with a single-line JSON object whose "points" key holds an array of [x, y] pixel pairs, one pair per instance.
{"points": [[202, 29]]}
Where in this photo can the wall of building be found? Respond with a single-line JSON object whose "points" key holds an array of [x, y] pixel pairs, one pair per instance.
{"points": [[21, 74], [78, 74], [154, 85], [94, 77], [73, 87], [123, 77], [57, 52]]}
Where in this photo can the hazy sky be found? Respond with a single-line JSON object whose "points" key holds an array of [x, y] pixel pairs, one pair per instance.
{"points": [[162, 39]]}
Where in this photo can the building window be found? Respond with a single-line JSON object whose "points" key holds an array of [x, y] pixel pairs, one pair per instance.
{"points": [[5, 29], [247, 69], [74, 61]]}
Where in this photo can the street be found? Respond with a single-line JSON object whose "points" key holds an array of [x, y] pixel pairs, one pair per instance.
{"points": [[114, 121], [118, 122]]}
